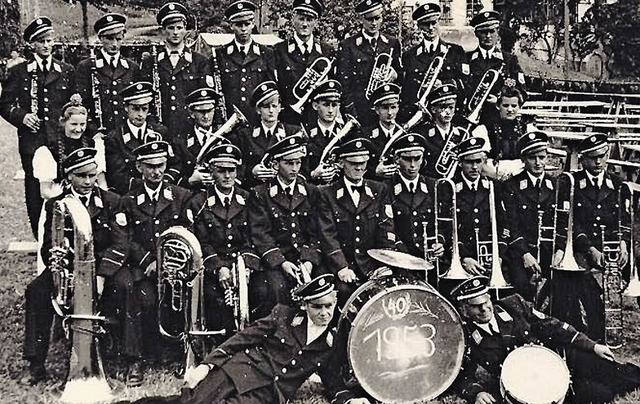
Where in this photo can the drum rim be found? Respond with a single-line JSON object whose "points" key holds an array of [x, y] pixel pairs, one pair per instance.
{"points": [[503, 389], [421, 286]]}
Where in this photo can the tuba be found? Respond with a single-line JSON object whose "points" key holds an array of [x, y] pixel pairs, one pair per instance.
{"points": [[456, 271], [380, 74], [181, 308], [237, 118], [237, 297], [315, 74], [72, 266]]}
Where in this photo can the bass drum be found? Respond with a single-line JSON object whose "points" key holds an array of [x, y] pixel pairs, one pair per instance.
{"points": [[406, 341], [534, 374]]}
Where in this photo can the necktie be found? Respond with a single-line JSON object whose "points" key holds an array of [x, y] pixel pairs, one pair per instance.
{"points": [[473, 187], [227, 202], [241, 48], [268, 133], [305, 49], [538, 183], [45, 67], [84, 200], [372, 42], [412, 187], [494, 329], [114, 63]]}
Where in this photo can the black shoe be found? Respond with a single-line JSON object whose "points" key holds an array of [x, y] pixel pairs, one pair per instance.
{"points": [[135, 374], [37, 374]]}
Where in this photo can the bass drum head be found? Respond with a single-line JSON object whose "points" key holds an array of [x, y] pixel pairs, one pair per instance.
{"points": [[406, 344], [534, 374]]}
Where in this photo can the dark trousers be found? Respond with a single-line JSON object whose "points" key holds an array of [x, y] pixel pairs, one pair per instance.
{"points": [[38, 318], [31, 192]]}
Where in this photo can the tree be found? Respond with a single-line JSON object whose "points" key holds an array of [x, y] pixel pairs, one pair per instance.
{"points": [[10, 22]]}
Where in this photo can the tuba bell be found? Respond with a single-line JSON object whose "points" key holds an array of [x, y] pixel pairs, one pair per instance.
{"points": [[72, 266], [181, 308], [456, 271]]}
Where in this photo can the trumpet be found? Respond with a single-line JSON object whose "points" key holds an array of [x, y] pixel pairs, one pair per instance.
{"points": [[237, 118], [237, 296], [156, 83], [380, 74], [456, 271], [491, 259], [95, 91], [313, 76]]}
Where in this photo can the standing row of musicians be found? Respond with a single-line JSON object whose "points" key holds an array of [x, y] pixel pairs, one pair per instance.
{"points": [[36, 90]]}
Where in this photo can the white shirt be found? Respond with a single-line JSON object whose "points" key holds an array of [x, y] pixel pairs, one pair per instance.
{"points": [[288, 188], [111, 59], [301, 43], [471, 184], [41, 62], [154, 194], [245, 46], [599, 179], [486, 53], [222, 196], [533, 178], [407, 182], [355, 195], [313, 331], [493, 323], [431, 46], [323, 129], [137, 132], [372, 39]]}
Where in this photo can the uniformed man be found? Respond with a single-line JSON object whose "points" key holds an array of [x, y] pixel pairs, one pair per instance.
{"points": [[473, 209], [221, 224], [446, 130], [355, 215], [176, 69], [106, 75], [325, 101], [294, 56], [413, 201], [109, 241], [487, 56], [529, 199], [32, 96], [136, 130], [596, 213], [282, 219], [417, 60], [386, 104], [356, 58], [244, 63], [188, 145], [496, 329], [152, 206], [254, 142]]}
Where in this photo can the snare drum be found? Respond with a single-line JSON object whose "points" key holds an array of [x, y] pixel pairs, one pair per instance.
{"points": [[534, 374], [406, 341]]}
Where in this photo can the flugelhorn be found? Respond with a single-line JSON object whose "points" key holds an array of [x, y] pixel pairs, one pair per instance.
{"points": [[479, 97], [237, 118], [75, 296], [380, 74], [313, 76], [348, 126], [456, 271]]}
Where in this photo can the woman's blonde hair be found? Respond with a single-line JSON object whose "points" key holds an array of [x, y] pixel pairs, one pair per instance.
{"points": [[73, 107]]}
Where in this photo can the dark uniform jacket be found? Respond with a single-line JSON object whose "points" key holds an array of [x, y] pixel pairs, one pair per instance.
{"points": [[355, 62], [121, 161], [416, 62], [435, 144], [379, 139], [594, 208], [272, 355], [315, 146], [240, 74], [290, 65], [473, 212], [53, 90], [519, 324], [192, 71], [186, 147], [347, 232], [108, 224], [223, 232], [411, 210], [148, 219], [284, 227], [254, 143], [110, 82], [522, 202]]}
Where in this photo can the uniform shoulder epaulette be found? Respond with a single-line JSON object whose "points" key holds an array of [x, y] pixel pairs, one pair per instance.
{"points": [[498, 55], [161, 56], [302, 189], [549, 184], [99, 63], [384, 38], [397, 189], [240, 199], [419, 50], [256, 49], [318, 47], [485, 183], [57, 66], [292, 46], [98, 201], [424, 188], [124, 63], [273, 191], [475, 55], [188, 56], [256, 132], [359, 40], [524, 184], [32, 66], [230, 49]]}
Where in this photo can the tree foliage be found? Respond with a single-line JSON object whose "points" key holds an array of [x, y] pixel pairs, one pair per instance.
{"points": [[10, 23]]}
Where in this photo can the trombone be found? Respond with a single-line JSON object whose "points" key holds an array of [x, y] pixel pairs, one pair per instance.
{"points": [[565, 206], [456, 271]]}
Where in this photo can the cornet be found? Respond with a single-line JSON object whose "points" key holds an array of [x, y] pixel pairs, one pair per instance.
{"points": [[381, 73]]}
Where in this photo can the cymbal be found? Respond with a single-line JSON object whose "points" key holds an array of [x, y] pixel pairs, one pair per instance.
{"points": [[399, 259]]}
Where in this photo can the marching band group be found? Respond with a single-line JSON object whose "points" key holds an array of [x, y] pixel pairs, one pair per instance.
{"points": [[289, 165]]}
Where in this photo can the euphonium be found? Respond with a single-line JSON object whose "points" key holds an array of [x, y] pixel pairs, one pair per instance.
{"points": [[565, 206], [155, 73], [75, 298], [446, 163], [237, 296], [497, 280], [95, 91], [477, 100], [325, 157], [380, 74], [627, 196], [313, 76], [237, 118], [456, 271]]}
